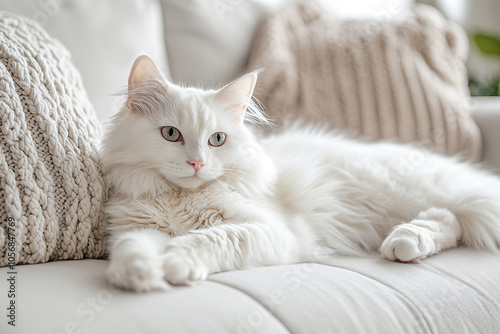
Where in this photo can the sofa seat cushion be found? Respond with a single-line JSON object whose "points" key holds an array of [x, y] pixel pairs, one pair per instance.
{"points": [[457, 291]]}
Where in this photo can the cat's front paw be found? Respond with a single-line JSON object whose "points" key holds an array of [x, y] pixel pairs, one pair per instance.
{"points": [[137, 273], [183, 268], [407, 243]]}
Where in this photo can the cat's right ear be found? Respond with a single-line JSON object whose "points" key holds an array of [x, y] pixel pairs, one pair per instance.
{"points": [[237, 95], [144, 80]]}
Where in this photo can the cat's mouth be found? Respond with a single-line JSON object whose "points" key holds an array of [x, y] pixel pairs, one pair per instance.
{"points": [[195, 180], [190, 182], [192, 177]]}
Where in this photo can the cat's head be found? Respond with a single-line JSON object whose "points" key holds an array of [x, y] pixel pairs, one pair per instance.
{"points": [[186, 136]]}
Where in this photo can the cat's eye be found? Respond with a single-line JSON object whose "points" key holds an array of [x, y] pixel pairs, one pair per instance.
{"points": [[217, 139], [171, 134]]}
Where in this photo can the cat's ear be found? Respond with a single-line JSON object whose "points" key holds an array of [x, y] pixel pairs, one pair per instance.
{"points": [[145, 79], [237, 95]]}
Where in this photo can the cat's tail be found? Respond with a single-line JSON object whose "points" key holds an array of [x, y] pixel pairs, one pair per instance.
{"points": [[478, 212]]}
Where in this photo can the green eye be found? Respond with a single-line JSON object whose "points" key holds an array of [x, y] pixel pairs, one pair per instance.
{"points": [[217, 139], [171, 134]]}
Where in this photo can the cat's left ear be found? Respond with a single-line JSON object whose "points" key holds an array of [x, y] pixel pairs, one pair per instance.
{"points": [[237, 95]]}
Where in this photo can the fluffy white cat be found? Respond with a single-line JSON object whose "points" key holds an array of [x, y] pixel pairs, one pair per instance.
{"points": [[195, 192]]}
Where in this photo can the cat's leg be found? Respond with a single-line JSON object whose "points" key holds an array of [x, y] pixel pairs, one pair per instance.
{"points": [[135, 261], [228, 247], [432, 231]]}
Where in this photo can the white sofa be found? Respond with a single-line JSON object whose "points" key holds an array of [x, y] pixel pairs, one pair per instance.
{"points": [[457, 291]]}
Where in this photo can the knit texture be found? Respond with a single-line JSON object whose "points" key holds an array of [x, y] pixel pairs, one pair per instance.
{"points": [[51, 185], [401, 79]]}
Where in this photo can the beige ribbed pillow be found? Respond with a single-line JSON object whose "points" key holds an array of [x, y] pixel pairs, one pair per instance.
{"points": [[401, 79], [52, 191]]}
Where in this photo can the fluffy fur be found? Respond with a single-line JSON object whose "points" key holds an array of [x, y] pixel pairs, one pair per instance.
{"points": [[297, 195]]}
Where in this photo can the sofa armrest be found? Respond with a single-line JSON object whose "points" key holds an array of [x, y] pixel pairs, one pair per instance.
{"points": [[486, 113]]}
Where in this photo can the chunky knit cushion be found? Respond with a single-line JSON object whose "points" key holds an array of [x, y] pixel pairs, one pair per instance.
{"points": [[51, 187], [402, 79]]}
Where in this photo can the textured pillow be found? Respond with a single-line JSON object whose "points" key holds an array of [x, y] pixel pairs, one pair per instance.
{"points": [[401, 79], [51, 187]]}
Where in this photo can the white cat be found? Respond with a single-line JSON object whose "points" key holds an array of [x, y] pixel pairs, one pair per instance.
{"points": [[195, 192]]}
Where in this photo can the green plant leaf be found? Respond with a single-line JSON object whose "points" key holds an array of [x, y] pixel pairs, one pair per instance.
{"points": [[488, 44], [484, 87]]}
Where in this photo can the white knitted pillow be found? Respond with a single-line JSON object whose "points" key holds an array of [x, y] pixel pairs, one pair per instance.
{"points": [[401, 79], [51, 187]]}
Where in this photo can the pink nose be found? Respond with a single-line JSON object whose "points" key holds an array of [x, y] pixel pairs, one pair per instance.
{"points": [[197, 164]]}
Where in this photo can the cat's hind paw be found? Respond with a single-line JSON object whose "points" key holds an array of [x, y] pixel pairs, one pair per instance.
{"points": [[407, 243], [180, 269], [138, 274]]}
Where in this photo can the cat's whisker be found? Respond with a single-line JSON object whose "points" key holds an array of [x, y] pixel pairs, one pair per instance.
{"points": [[231, 171]]}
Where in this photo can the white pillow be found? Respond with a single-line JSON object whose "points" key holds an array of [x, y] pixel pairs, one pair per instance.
{"points": [[208, 42], [104, 38]]}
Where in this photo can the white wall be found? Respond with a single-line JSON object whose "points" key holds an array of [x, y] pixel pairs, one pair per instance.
{"points": [[475, 16]]}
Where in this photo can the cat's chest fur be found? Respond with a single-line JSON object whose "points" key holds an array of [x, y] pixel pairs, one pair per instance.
{"points": [[177, 211], [184, 210]]}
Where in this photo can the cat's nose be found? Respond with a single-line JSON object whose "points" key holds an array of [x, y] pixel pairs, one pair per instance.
{"points": [[197, 164]]}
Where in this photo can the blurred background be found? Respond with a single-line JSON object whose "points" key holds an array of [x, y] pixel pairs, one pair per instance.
{"points": [[480, 19], [208, 42]]}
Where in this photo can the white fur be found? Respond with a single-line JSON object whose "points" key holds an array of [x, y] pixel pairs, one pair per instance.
{"points": [[299, 195]]}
